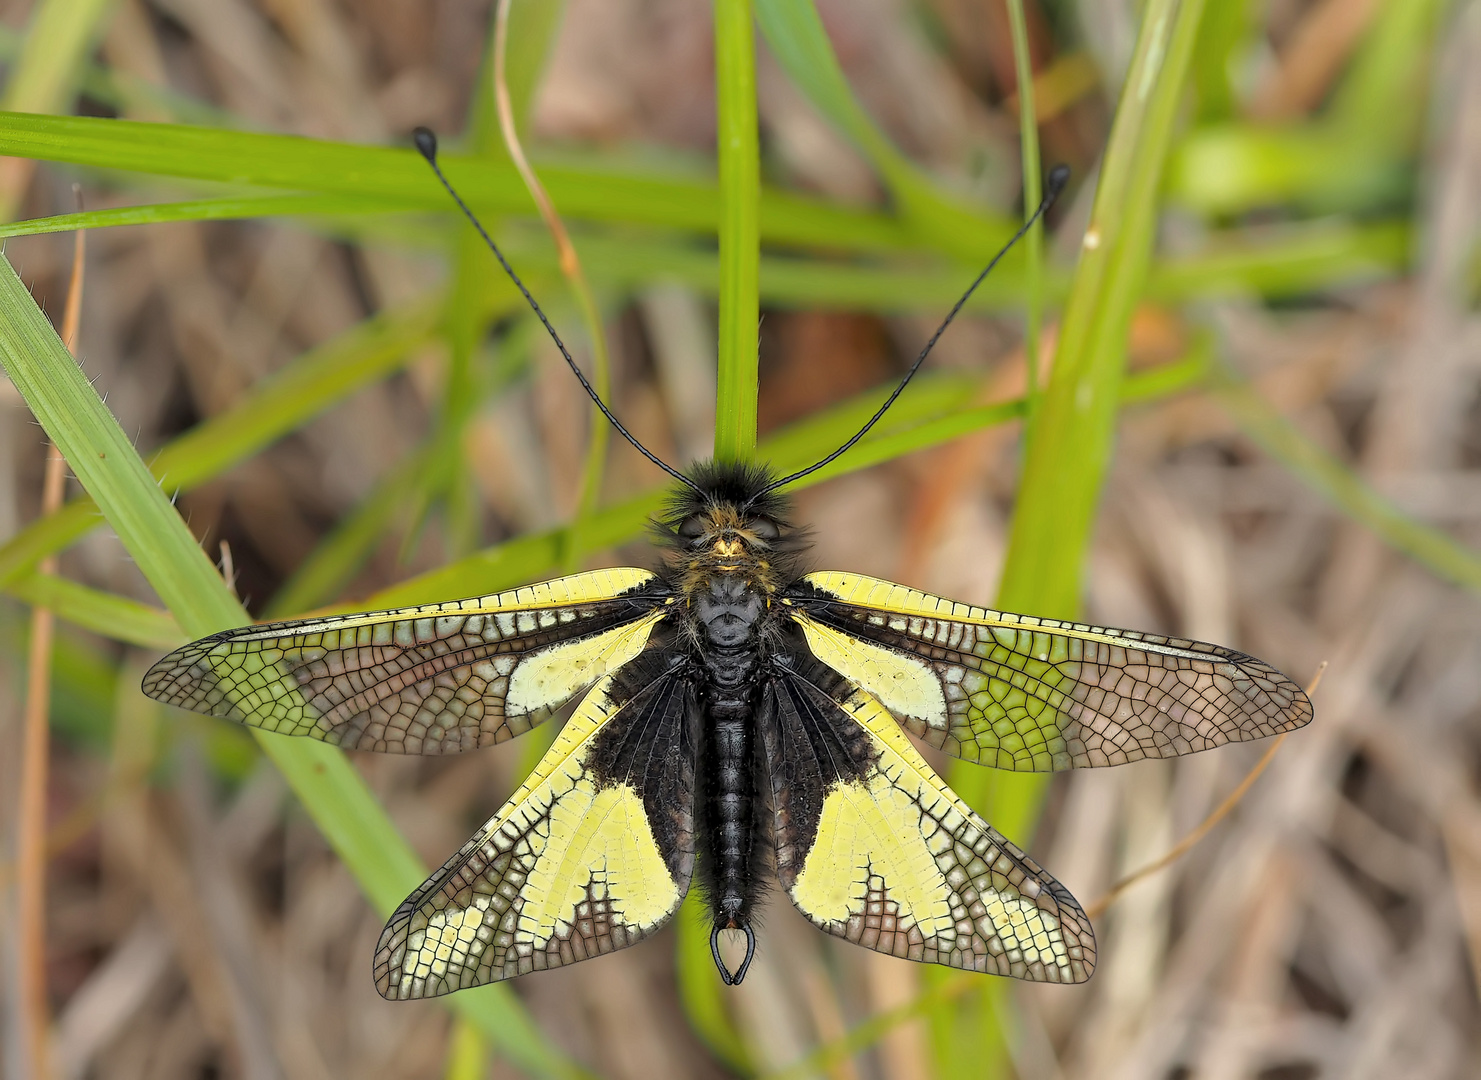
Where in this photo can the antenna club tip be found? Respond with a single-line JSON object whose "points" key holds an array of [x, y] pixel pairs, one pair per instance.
{"points": [[426, 143], [1059, 176]]}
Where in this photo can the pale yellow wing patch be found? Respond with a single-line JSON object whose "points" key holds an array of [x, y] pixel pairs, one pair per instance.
{"points": [[425, 680], [901, 865], [571, 867], [903, 682], [1033, 695]]}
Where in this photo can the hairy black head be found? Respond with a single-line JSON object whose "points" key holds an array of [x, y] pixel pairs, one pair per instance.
{"points": [[729, 503]]}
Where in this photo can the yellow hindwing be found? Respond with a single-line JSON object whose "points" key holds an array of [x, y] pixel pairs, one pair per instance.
{"points": [[901, 865], [568, 868]]}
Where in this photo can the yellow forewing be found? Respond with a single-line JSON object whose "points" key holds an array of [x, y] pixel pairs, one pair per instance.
{"points": [[426, 680], [1034, 695], [901, 865], [569, 868]]}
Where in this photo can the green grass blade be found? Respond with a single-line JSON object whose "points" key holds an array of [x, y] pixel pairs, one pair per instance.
{"points": [[289, 163], [277, 406], [332, 792], [740, 250], [1066, 459], [228, 208], [1284, 261], [1069, 447], [1277, 261], [467, 1053], [1332, 479], [1383, 96], [1231, 168], [736, 389], [60, 35], [104, 613], [797, 39], [704, 996]]}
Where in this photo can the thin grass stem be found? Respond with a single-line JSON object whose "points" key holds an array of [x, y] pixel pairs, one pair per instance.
{"points": [[35, 751]]}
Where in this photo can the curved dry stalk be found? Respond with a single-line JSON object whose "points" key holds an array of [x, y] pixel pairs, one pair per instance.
{"points": [[31, 838], [570, 264]]}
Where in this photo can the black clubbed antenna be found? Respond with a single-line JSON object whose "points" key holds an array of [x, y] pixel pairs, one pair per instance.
{"points": [[427, 146], [1058, 177]]}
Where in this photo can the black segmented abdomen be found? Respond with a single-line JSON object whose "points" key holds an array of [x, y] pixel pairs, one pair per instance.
{"points": [[729, 615], [729, 795]]}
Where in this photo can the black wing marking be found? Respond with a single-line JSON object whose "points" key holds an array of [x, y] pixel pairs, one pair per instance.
{"points": [[592, 854], [872, 847], [426, 680], [1035, 695]]}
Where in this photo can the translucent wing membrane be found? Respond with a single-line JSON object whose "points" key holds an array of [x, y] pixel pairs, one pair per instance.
{"points": [[426, 680], [872, 847], [1034, 695], [591, 855]]}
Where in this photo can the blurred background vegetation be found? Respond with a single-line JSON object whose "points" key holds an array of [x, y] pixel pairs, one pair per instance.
{"points": [[1262, 284]]}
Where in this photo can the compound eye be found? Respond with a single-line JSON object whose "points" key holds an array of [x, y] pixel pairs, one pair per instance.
{"points": [[692, 528], [765, 529]]}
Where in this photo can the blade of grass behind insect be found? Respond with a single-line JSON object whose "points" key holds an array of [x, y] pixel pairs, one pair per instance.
{"points": [[107, 614], [1285, 260], [740, 245], [467, 1052], [706, 1004], [1356, 155], [224, 208], [1225, 38], [103, 459], [276, 406], [596, 192], [1068, 451], [705, 1000], [1066, 460], [1383, 96], [1329, 477], [797, 38]]}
